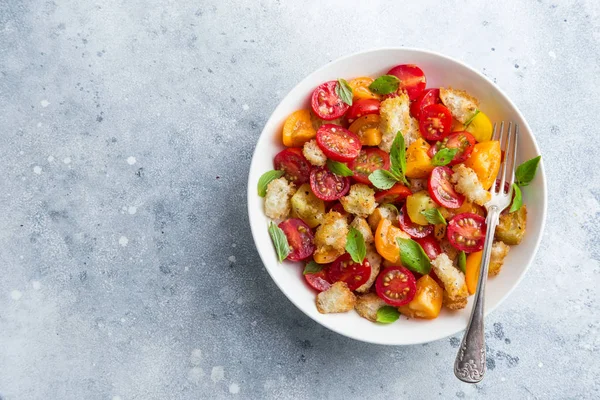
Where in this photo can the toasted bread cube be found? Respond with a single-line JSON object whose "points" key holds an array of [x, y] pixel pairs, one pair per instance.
{"points": [[361, 225], [277, 200], [360, 200], [452, 278], [511, 227], [447, 248], [467, 183], [454, 304], [462, 106], [375, 261], [499, 252], [337, 299], [386, 211], [417, 184], [367, 306], [332, 232], [327, 254], [395, 117], [313, 153]]}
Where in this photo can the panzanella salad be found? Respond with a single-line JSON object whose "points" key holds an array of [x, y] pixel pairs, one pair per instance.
{"points": [[379, 193]]}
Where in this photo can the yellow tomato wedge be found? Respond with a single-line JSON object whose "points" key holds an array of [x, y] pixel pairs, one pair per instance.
{"points": [[480, 127], [367, 130], [418, 162], [485, 161], [298, 129], [472, 270], [326, 255], [385, 240], [360, 88], [427, 302], [417, 203]]}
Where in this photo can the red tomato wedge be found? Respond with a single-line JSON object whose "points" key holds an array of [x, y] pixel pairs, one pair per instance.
{"points": [[294, 164], [427, 98], [362, 107], [326, 103], [463, 141], [338, 143], [300, 239], [466, 232], [435, 122], [318, 281], [345, 270], [396, 286], [431, 246], [369, 160], [396, 194], [415, 231], [441, 190], [328, 186], [412, 79]]}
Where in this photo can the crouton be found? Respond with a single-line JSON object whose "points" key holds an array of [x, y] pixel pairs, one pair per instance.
{"points": [[387, 211], [467, 183], [452, 278], [313, 153], [375, 261], [360, 200], [447, 248], [511, 227], [332, 232], [454, 304], [499, 252], [367, 306], [337, 299], [395, 116], [461, 105], [416, 184], [361, 225], [277, 200], [327, 254]]}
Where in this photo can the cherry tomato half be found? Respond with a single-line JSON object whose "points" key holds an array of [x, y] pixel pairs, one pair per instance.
{"points": [[345, 270], [427, 98], [415, 231], [397, 193], [294, 164], [299, 237], [318, 281], [463, 141], [369, 160], [338, 143], [431, 246], [435, 122], [362, 107], [326, 103], [466, 232], [396, 286], [412, 79], [441, 190], [328, 186]]}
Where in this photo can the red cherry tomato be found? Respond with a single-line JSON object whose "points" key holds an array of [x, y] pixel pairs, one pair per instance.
{"points": [[294, 164], [415, 231], [345, 270], [412, 79], [431, 246], [318, 281], [427, 98], [466, 232], [396, 286], [328, 186], [441, 190], [299, 237], [463, 141], [362, 107], [397, 193], [338, 143], [435, 122], [369, 160], [326, 103]]}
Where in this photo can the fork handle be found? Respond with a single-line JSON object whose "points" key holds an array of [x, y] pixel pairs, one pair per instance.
{"points": [[470, 361]]}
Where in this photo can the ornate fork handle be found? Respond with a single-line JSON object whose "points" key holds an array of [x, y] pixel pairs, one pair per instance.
{"points": [[470, 362]]}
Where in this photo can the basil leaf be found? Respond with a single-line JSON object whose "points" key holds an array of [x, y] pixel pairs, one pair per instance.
{"points": [[398, 158], [413, 256], [344, 90], [385, 84], [387, 315], [462, 262], [471, 119], [339, 168], [355, 245], [443, 157], [280, 241], [433, 216], [265, 179], [517, 202], [382, 179], [312, 268], [526, 171]]}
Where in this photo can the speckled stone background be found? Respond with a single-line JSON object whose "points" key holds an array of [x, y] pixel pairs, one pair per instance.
{"points": [[128, 268]]}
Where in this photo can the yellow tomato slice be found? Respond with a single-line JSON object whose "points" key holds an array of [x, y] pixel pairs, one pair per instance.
{"points": [[367, 130], [485, 161], [360, 88], [416, 203], [418, 162], [298, 129], [480, 127], [385, 240], [427, 302]]}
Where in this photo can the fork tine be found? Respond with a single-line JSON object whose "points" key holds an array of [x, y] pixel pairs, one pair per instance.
{"points": [[513, 156], [494, 132], [503, 165], [495, 189]]}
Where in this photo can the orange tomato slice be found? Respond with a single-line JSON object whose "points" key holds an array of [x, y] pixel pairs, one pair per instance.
{"points": [[385, 240], [360, 88], [427, 302], [418, 162], [367, 129], [298, 129], [472, 270], [485, 161]]}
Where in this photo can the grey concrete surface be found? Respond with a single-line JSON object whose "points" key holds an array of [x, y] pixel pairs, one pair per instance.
{"points": [[128, 268]]}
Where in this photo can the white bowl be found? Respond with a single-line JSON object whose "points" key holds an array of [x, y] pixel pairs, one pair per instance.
{"points": [[440, 71]]}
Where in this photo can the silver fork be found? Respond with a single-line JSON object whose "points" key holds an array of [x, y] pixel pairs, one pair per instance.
{"points": [[470, 361]]}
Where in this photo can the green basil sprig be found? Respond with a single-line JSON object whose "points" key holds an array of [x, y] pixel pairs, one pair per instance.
{"points": [[279, 241], [443, 157], [413, 257], [462, 261], [385, 84], [344, 90], [433, 216], [383, 179], [312, 268], [355, 245], [387, 315], [339, 168], [523, 177]]}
